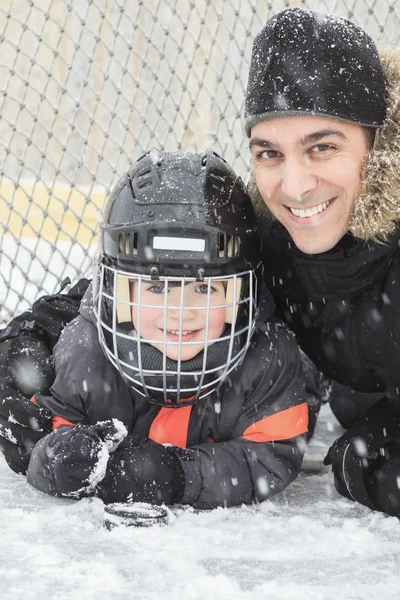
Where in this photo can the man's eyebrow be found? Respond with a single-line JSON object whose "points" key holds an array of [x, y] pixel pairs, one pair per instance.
{"points": [[260, 143], [310, 138], [318, 135]]}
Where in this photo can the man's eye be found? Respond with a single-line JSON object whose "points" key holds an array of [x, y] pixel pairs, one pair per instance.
{"points": [[321, 148], [268, 154]]}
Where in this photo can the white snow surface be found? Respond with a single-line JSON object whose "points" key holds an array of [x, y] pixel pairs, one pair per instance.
{"points": [[308, 543]]}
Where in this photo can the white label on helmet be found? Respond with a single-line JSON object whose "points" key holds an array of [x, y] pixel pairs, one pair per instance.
{"points": [[175, 243]]}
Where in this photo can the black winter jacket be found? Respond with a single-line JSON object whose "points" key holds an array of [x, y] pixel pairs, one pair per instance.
{"points": [[246, 440], [343, 307]]}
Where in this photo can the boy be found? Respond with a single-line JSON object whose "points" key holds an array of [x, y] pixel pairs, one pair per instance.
{"points": [[174, 384]]}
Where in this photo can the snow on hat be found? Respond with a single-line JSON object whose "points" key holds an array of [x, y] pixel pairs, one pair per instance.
{"points": [[305, 63]]}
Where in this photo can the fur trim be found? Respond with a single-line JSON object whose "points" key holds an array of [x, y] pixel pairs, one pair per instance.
{"points": [[376, 210], [264, 215]]}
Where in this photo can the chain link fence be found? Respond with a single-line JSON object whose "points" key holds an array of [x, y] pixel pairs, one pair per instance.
{"points": [[87, 86]]}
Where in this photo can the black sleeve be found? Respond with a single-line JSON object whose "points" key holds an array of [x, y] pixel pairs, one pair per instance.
{"points": [[87, 388], [26, 368], [27, 342], [240, 472], [244, 471]]}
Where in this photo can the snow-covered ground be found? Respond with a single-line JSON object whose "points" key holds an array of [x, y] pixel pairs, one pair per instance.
{"points": [[306, 544]]}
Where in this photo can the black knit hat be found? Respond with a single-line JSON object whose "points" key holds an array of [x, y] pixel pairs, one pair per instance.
{"points": [[305, 63]]}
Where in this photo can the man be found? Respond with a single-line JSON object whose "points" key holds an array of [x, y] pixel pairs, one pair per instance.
{"points": [[323, 117]]}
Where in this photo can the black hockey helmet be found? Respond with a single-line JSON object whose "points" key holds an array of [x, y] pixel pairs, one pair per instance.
{"points": [[186, 220]]}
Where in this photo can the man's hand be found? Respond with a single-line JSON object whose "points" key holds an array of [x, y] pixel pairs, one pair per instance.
{"points": [[22, 424], [351, 456], [359, 454], [143, 471]]}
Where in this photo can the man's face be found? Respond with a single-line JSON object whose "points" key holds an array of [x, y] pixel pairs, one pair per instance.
{"points": [[158, 326], [307, 170]]}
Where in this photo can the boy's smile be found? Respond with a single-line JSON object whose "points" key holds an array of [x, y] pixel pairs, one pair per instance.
{"points": [[175, 320], [187, 336]]}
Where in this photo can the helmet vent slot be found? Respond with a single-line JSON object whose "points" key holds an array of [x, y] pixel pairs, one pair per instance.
{"points": [[228, 245], [217, 180], [144, 184], [128, 243], [147, 182]]}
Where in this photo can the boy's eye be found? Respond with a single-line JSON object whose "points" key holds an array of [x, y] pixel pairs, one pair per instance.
{"points": [[203, 288], [157, 288]]}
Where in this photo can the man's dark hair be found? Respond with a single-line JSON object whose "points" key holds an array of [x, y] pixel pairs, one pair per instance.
{"points": [[370, 136]]}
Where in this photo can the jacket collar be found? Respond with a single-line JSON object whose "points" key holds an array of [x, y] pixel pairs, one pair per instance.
{"points": [[350, 267]]}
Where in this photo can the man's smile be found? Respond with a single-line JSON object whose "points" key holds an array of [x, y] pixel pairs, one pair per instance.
{"points": [[310, 212]]}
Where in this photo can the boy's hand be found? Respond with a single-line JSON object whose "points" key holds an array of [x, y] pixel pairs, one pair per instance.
{"points": [[79, 456], [143, 471], [22, 424]]}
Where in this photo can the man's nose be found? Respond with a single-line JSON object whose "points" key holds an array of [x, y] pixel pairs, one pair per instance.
{"points": [[298, 179]]}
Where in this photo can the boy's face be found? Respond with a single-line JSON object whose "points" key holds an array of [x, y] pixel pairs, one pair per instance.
{"points": [[162, 328]]}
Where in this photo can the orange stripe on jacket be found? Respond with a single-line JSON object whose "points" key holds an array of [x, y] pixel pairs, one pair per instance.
{"points": [[280, 426], [171, 426], [56, 421]]}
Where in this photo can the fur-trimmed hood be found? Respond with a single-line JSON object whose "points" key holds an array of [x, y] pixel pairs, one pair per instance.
{"points": [[376, 210]]}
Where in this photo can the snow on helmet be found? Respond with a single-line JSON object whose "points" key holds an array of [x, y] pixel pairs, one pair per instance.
{"points": [[178, 275]]}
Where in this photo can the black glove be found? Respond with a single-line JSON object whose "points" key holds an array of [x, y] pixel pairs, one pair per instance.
{"points": [[358, 455], [144, 471], [350, 457], [25, 368], [385, 481], [78, 456], [22, 424]]}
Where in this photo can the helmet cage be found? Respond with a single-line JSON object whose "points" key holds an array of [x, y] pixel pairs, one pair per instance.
{"points": [[144, 363]]}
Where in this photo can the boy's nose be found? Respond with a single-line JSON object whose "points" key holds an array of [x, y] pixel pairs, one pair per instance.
{"points": [[185, 312]]}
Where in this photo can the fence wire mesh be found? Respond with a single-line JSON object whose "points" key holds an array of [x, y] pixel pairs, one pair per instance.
{"points": [[87, 87]]}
